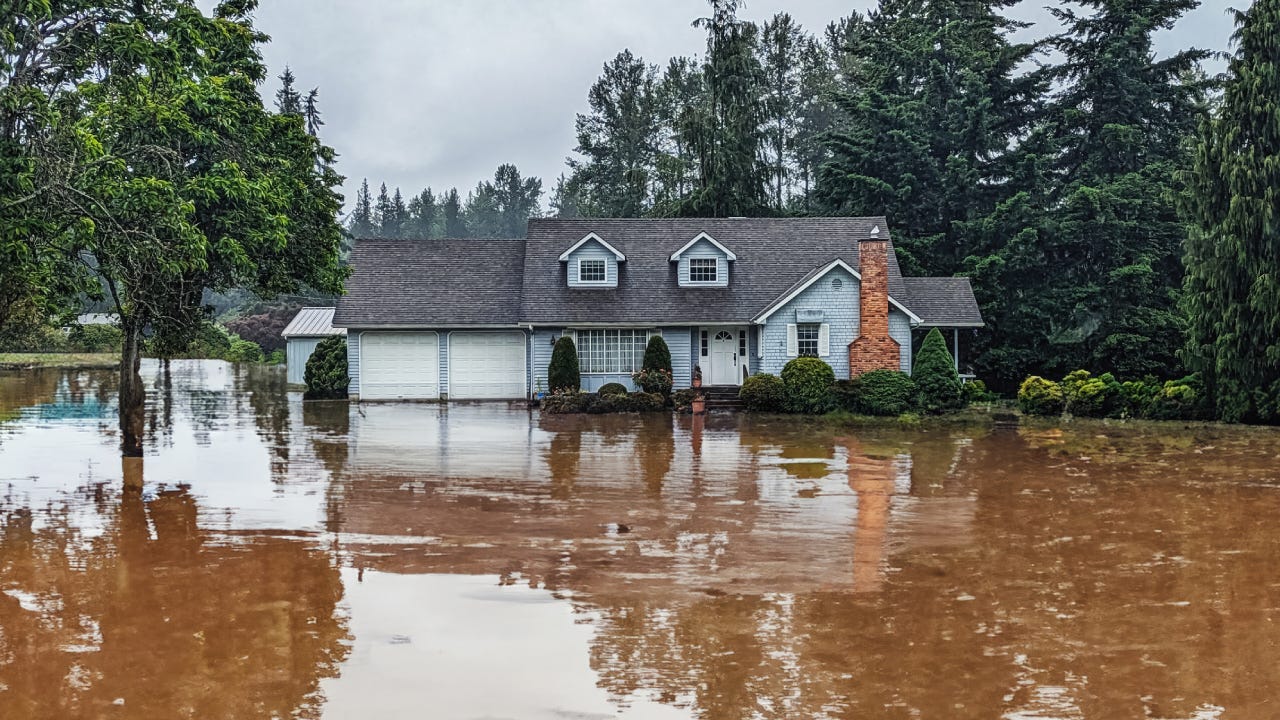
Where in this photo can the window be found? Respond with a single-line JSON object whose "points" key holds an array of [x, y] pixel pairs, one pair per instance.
{"points": [[702, 270], [807, 339], [591, 271], [704, 343], [611, 351], [742, 343]]}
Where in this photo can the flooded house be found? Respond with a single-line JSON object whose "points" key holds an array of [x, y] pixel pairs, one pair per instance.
{"points": [[477, 319]]}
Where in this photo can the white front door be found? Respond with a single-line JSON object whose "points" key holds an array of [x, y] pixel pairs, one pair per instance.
{"points": [[724, 358]]}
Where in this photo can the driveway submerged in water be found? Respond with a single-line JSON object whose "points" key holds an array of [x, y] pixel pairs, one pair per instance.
{"points": [[475, 561]]}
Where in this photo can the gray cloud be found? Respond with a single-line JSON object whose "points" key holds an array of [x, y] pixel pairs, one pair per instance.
{"points": [[435, 92]]}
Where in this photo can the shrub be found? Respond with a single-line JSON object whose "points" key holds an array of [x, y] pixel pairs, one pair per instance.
{"points": [[763, 392], [34, 338], [1178, 400], [807, 382], [264, 328], [682, 400], [882, 392], [657, 356], [934, 373], [562, 373], [276, 357], [326, 372], [975, 391], [1038, 396], [653, 380], [96, 338], [612, 389], [242, 350], [1136, 397], [564, 401], [567, 402], [1088, 396]]}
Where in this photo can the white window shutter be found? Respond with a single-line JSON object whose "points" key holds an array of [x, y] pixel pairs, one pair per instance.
{"points": [[824, 340], [793, 345]]}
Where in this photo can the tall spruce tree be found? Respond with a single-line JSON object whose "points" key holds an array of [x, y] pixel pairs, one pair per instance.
{"points": [[361, 224], [393, 223], [455, 225], [383, 213], [1120, 122], [724, 132], [288, 100], [311, 112], [618, 139], [1233, 251], [678, 93], [781, 53], [422, 213]]}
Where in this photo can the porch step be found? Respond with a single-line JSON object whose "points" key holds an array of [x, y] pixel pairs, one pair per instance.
{"points": [[720, 392]]}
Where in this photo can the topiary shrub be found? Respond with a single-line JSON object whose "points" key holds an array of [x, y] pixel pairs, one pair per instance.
{"points": [[807, 382], [883, 392], [763, 392], [612, 389], [1038, 396], [657, 356], [934, 373], [562, 373], [326, 372]]}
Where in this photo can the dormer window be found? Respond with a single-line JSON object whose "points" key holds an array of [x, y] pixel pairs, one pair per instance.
{"points": [[703, 270], [592, 270]]}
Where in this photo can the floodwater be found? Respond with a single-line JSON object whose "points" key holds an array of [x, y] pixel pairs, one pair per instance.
{"points": [[325, 560]]}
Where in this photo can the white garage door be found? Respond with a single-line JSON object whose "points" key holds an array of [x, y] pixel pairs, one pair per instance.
{"points": [[486, 365], [400, 365]]}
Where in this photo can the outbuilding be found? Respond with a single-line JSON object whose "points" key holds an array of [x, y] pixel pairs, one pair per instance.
{"points": [[303, 334]]}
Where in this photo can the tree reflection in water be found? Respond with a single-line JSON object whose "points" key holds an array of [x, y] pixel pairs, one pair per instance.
{"points": [[159, 616]]}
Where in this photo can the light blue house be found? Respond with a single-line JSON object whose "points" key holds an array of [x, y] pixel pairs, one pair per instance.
{"points": [[476, 319]]}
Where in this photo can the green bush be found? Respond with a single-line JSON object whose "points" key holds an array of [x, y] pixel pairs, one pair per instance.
{"points": [[807, 382], [246, 350], [326, 372], [882, 392], [763, 392], [1038, 396], [562, 373], [934, 373], [1136, 397], [96, 338], [24, 337], [975, 391], [277, 357], [1178, 400], [657, 356], [1087, 396], [612, 389], [653, 380], [682, 400], [570, 401]]}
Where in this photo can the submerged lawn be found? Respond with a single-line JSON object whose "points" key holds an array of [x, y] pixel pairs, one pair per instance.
{"points": [[71, 361]]}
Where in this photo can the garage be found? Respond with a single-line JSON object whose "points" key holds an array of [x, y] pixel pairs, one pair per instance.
{"points": [[486, 365], [400, 366]]}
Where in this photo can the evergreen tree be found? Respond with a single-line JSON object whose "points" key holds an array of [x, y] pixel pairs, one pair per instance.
{"points": [[362, 222], [481, 212], [618, 139], [677, 95], [383, 213], [455, 225], [1232, 254], [934, 373], [566, 201], [725, 131], [422, 212], [288, 101], [393, 223], [311, 112], [502, 208], [782, 44]]}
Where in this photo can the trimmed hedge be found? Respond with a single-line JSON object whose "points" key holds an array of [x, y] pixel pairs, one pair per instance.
{"points": [[657, 356], [807, 382], [763, 392], [562, 373], [1038, 396], [326, 372], [881, 392], [612, 389], [563, 403], [1087, 396], [934, 373]]}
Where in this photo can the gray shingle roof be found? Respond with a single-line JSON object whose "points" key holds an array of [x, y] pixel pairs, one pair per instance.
{"points": [[942, 302], [312, 322], [433, 282], [505, 282], [773, 255]]}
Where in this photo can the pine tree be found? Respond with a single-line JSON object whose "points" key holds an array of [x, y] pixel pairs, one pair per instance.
{"points": [[782, 44], [934, 374], [725, 132], [618, 139], [455, 225], [288, 101], [311, 112], [362, 224], [677, 96], [1232, 254], [566, 200], [383, 214], [393, 223], [422, 212]]}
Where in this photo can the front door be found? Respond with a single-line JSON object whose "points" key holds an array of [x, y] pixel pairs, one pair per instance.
{"points": [[724, 358]]}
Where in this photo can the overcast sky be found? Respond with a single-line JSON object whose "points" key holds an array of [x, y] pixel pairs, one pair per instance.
{"points": [[440, 92]]}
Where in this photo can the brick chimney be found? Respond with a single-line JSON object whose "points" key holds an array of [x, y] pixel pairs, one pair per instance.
{"points": [[873, 349]]}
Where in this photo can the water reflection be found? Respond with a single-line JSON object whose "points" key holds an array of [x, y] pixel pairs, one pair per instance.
{"points": [[375, 560]]}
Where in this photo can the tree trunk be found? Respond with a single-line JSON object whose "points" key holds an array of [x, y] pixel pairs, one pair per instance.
{"points": [[133, 395]]}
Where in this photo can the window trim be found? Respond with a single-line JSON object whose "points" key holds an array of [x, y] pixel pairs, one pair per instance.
{"points": [[715, 268], [648, 333], [604, 264], [816, 339]]}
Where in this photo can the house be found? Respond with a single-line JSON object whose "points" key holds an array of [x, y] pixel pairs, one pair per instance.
{"points": [[476, 319], [303, 333]]}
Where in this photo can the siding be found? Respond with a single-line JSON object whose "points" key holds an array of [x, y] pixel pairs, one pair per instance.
{"points": [[704, 249], [678, 340], [541, 357], [594, 251], [900, 330], [353, 362], [297, 351], [840, 312]]}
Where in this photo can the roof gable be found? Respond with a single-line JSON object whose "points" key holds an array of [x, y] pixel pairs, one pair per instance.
{"points": [[815, 276], [592, 237], [703, 236]]}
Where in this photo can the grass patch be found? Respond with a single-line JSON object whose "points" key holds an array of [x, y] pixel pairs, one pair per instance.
{"points": [[68, 361]]}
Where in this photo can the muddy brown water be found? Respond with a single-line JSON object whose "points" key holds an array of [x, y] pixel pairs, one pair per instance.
{"points": [[480, 561]]}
